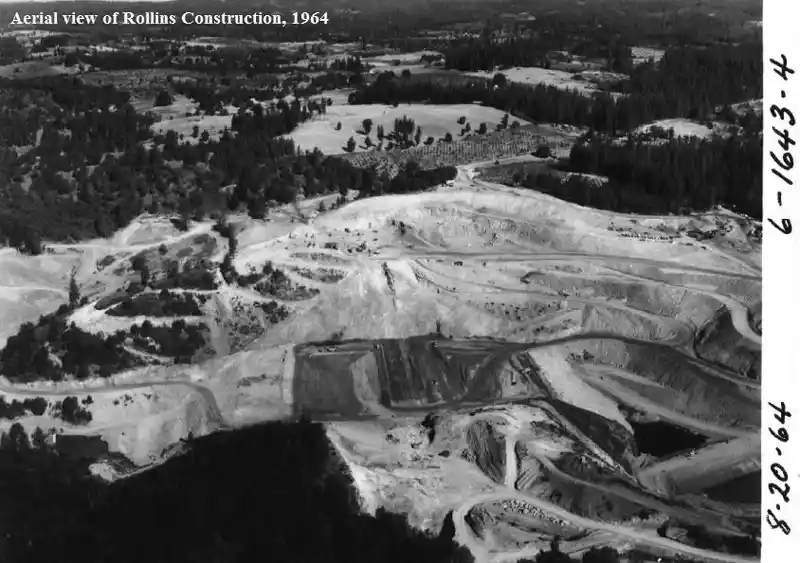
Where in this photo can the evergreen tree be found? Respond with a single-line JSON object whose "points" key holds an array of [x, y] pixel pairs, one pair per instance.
{"points": [[163, 99], [74, 291]]}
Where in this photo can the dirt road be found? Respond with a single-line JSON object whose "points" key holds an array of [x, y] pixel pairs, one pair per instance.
{"points": [[596, 379], [709, 466], [214, 412], [529, 256], [465, 536]]}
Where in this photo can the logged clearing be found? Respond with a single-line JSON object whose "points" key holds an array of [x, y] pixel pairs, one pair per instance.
{"points": [[508, 144]]}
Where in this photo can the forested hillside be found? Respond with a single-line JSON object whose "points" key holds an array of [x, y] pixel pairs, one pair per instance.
{"points": [[678, 175], [276, 491], [91, 172]]}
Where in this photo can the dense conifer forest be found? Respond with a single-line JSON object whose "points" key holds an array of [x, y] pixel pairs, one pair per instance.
{"points": [[673, 177]]}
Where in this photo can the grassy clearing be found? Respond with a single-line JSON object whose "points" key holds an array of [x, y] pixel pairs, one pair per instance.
{"points": [[435, 121]]}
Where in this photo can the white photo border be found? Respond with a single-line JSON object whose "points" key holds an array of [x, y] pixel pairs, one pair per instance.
{"points": [[780, 462]]}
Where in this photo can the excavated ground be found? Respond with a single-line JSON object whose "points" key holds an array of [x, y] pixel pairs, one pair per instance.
{"points": [[529, 328]]}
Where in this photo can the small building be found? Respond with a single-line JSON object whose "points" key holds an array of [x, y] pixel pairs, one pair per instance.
{"points": [[51, 438]]}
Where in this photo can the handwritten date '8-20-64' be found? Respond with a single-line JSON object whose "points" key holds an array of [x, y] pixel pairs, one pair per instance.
{"points": [[781, 488], [784, 162]]}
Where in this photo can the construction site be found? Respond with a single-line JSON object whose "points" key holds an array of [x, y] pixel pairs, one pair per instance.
{"points": [[477, 349]]}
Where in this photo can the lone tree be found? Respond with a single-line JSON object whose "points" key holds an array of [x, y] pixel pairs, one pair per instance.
{"points": [[139, 264], [163, 99], [499, 80], [367, 126], [256, 208], [74, 291], [351, 145]]}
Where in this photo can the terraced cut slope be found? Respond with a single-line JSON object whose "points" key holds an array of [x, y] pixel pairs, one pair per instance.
{"points": [[476, 350]]}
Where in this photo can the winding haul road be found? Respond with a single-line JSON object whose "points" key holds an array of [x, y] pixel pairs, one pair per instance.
{"points": [[465, 535], [739, 313]]}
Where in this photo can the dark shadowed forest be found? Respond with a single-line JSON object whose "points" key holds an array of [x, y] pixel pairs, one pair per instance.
{"points": [[276, 490]]}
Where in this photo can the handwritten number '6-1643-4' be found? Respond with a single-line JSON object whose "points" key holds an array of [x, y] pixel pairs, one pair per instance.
{"points": [[784, 162]]}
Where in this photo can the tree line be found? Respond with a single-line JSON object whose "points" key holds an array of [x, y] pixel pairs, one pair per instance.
{"points": [[69, 409], [487, 53], [687, 82]]}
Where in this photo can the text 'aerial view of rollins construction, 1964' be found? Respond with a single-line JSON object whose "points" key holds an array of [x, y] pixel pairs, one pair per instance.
{"points": [[440, 281]]}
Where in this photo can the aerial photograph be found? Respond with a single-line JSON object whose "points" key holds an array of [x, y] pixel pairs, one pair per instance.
{"points": [[364, 281]]}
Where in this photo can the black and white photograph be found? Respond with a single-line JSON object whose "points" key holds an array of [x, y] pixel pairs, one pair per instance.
{"points": [[365, 281]]}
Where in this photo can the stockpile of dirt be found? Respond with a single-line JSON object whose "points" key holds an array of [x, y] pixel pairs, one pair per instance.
{"points": [[480, 520], [486, 447]]}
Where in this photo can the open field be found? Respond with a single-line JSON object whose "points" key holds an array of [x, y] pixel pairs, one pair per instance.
{"points": [[434, 120], [645, 54], [585, 83], [686, 128], [34, 69]]}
